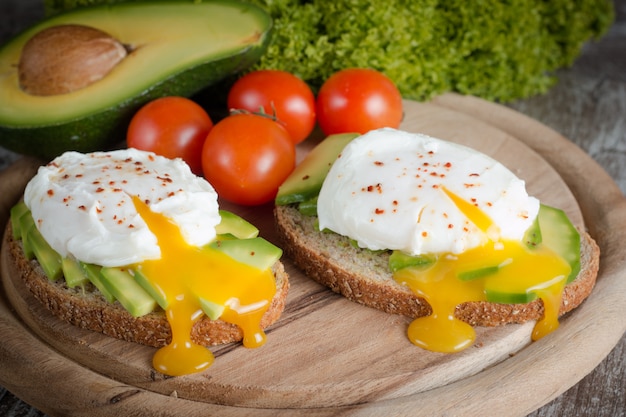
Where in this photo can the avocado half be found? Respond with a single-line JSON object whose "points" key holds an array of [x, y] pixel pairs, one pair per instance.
{"points": [[176, 48]]}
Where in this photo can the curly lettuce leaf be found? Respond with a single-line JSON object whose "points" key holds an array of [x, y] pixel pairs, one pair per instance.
{"points": [[495, 49]]}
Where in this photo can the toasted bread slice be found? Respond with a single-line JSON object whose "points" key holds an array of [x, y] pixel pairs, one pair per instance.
{"points": [[88, 309], [364, 277]]}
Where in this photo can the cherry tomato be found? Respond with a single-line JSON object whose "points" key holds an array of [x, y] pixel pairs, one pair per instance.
{"points": [[277, 91], [358, 100], [246, 157], [174, 127]]}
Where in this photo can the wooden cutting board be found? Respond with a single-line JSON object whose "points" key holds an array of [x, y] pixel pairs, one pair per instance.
{"points": [[329, 356]]}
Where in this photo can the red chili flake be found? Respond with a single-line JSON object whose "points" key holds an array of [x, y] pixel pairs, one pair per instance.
{"points": [[474, 175], [147, 171], [433, 174], [450, 226], [436, 186], [171, 194], [468, 185], [425, 164], [379, 211], [252, 253], [128, 159], [50, 193], [306, 177], [98, 210], [124, 182], [111, 182], [489, 204], [445, 215], [131, 226], [118, 167], [424, 234], [66, 199], [79, 175], [394, 202], [379, 163], [165, 179], [147, 202], [151, 157], [431, 152], [465, 229], [120, 221], [447, 165], [138, 163], [66, 176], [117, 190], [99, 189], [96, 182], [81, 207]]}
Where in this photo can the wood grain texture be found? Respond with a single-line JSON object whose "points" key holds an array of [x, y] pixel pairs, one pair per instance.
{"points": [[587, 106], [516, 386]]}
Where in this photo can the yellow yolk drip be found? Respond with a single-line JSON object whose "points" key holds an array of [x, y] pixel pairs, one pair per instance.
{"points": [[184, 274], [521, 272]]}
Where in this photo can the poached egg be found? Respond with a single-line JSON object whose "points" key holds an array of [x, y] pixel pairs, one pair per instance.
{"points": [[386, 191], [150, 215], [395, 190], [82, 204]]}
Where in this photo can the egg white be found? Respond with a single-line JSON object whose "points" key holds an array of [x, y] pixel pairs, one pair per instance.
{"points": [[386, 192], [82, 204]]}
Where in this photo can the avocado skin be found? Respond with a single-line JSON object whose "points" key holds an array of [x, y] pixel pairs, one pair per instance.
{"points": [[106, 129]]}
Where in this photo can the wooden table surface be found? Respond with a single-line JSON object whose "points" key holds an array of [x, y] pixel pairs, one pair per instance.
{"points": [[588, 106]]}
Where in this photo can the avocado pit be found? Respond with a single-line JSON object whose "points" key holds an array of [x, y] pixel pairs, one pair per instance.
{"points": [[65, 58]]}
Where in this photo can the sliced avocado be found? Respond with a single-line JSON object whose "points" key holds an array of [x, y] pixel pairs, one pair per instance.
{"points": [[400, 260], [307, 178], [47, 257], [308, 207], [232, 224], [532, 237], [93, 273], [74, 274], [16, 212], [211, 309], [154, 292], [478, 273], [175, 48], [559, 234], [256, 252], [127, 291], [510, 298], [26, 223]]}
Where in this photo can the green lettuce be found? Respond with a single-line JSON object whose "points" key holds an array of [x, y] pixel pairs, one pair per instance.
{"points": [[495, 49]]}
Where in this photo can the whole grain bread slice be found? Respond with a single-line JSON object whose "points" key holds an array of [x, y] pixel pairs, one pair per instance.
{"points": [[364, 277], [87, 308]]}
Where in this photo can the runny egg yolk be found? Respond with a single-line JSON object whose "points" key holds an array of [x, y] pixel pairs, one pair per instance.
{"points": [[185, 274], [519, 271]]}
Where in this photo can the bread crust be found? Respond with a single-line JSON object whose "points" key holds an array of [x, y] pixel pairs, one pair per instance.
{"points": [[88, 309], [363, 276]]}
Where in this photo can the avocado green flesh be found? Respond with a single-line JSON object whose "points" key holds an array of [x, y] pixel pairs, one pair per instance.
{"points": [[305, 182], [178, 48], [73, 273], [127, 291], [133, 290]]}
